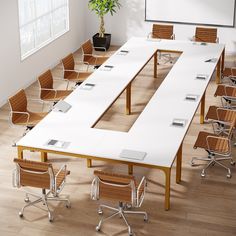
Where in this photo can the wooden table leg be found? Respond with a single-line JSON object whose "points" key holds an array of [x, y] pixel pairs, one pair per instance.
{"points": [[167, 188], [218, 72], [155, 65], [89, 163], [130, 169], [202, 112], [20, 152], [128, 99], [44, 156], [179, 164], [223, 61]]}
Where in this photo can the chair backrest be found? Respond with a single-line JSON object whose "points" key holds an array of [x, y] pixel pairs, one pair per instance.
{"points": [[68, 64], [115, 186], [230, 91], [34, 174], [233, 71], [226, 115], [45, 82], [87, 50], [208, 35], [225, 90], [18, 103], [218, 145], [162, 31]]}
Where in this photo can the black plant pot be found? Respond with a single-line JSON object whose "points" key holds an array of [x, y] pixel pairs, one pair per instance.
{"points": [[100, 43]]}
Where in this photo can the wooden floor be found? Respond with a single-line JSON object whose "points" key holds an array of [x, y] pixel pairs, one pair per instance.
{"points": [[199, 207]]}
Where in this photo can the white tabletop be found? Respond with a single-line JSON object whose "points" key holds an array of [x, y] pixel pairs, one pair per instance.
{"points": [[152, 132]]}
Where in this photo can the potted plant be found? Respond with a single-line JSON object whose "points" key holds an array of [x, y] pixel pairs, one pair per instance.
{"points": [[101, 8]]}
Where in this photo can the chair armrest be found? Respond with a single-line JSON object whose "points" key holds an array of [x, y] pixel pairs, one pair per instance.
{"points": [[142, 184], [82, 62], [34, 99], [86, 54], [71, 70], [63, 80], [46, 89], [63, 168], [94, 194], [232, 99], [173, 36], [22, 113]]}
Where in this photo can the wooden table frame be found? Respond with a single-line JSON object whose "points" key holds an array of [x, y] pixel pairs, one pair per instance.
{"points": [[166, 170]]}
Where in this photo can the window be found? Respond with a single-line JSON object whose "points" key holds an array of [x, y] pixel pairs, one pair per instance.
{"points": [[40, 22]]}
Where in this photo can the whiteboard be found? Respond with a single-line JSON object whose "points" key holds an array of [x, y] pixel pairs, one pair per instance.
{"points": [[204, 12]]}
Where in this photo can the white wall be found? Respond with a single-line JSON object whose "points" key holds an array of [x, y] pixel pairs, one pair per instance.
{"points": [[16, 74], [129, 21]]}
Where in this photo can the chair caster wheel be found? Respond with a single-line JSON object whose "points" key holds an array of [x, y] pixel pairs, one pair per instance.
{"points": [[192, 163], [26, 199], [98, 228], [229, 176], [130, 233], [21, 214], [68, 205], [203, 174], [145, 218], [232, 163], [50, 216], [100, 212]]}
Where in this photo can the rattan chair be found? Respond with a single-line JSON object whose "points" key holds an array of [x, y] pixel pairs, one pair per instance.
{"points": [[47, 93], [163, 32], [43, 176], [227, 94], [70, 73], [206, 35], [122, 188], [217, 147], [19, 113], [230, 74], [221, 119], [89, 58]]}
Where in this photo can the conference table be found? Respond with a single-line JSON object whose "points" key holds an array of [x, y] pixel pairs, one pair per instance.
{"points": [[155, 140]]}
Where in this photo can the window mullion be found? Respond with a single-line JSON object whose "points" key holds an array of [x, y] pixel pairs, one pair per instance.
{"points": [[34, 24], [51, 20]]}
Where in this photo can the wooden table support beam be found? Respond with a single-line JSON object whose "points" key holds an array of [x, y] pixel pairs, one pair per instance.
{"points": [[155, 65], [128, 99], [179, 164], [202, 109]]}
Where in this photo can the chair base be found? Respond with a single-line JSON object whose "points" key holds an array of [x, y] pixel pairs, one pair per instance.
{"points": [[121, 212], [44, 198], [212, 161]]}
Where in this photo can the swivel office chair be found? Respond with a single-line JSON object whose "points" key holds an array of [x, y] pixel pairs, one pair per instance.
{"points": [[43, 176], [122, 188]]}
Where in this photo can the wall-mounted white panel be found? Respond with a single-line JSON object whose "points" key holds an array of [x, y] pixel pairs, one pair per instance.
{"points": [[209, 12]]}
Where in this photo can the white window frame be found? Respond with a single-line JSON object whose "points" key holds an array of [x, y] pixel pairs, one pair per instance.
{"points": [[52, 38]]}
